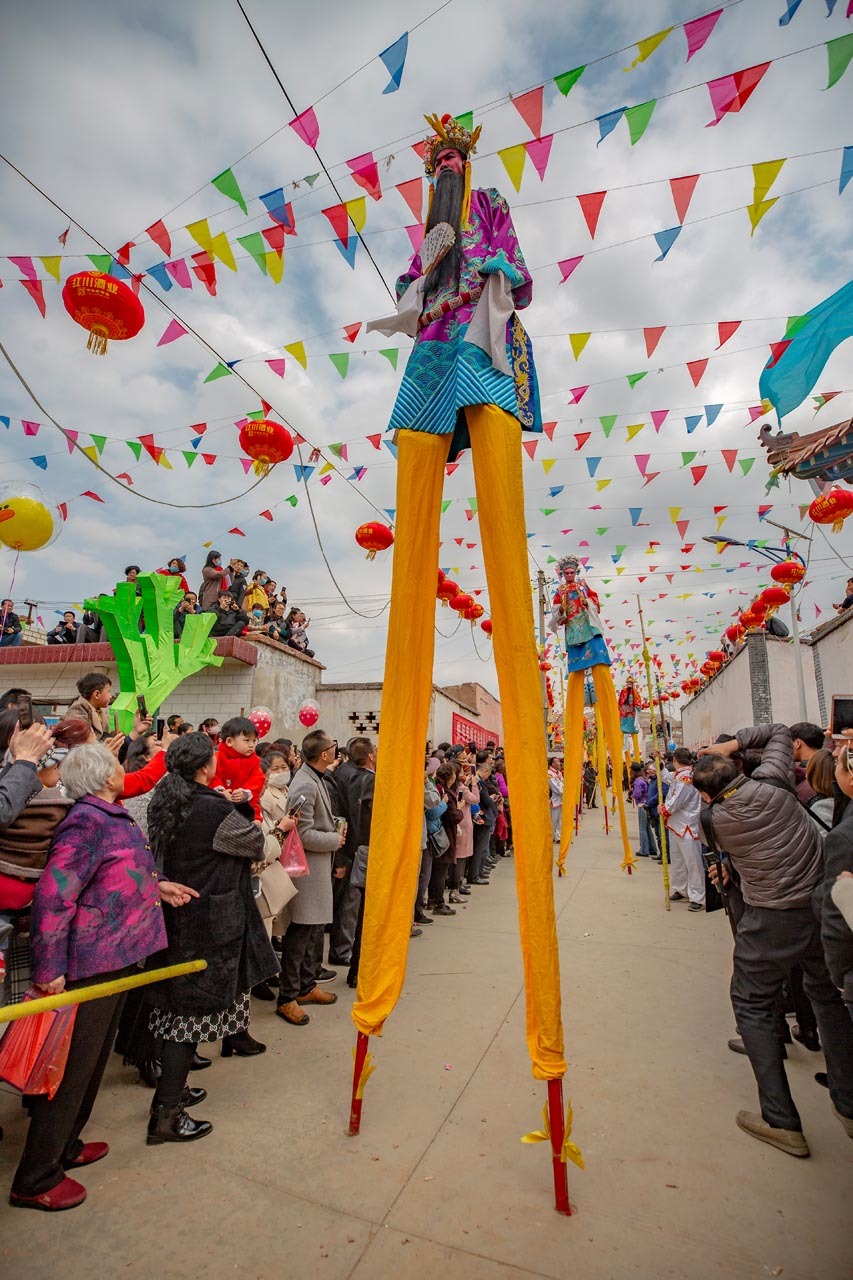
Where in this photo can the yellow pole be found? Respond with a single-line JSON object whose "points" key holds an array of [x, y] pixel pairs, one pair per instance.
{"points": [[12, 1012], [647, 663]]}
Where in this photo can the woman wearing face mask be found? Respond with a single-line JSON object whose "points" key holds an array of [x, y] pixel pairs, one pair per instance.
{"points": [[212, 581], [176, 569], [256, 596]]}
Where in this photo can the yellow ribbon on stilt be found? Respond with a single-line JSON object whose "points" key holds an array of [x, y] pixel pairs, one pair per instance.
{"points": [[569, 1150], [367, 1070]]}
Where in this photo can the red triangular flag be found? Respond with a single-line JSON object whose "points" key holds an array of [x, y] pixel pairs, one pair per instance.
{"points": [[339, 218], [653, 337], [529, 447], [351, 331], [35, 289], [529, 107], [730, 458], [682, 193], [239, 532], [365, 172], [581, 437], [591, 208], [681, 526], [649, 477], [696, 369], [123, 254], [89, 494], [274, 237], [419, 148], [725, 329], [209, 458], [549, 428], [778, 349], [158, 233], [697, 473], [205, 271], [413, 194], [63, 508], [450, 468], [267, 515]]}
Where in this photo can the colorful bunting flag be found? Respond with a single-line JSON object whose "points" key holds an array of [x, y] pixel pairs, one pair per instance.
{"points": [[725, 329], [412, 193], [732, 92], [277, 367], [607, 423], [158, 233], [696, 369], [365, 172], [730, 458], [539, 151], [297, 350], [305, 126], [529, 107], [637, 119], [591, 209], [228, 185], [653, 337], [578, 342], [577, 394], [394, 58], [391, 354], [567, 266], [341, 362], [846, 168], [839, 52], [658, 417], [608, 122], [645, 48], [174, 329], [35, 288], [568, 79], [634, 378], [665, 241], [757, 211], [513, 160]]}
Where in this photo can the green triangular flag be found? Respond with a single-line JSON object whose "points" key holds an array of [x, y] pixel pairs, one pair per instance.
{"points": [[135, 448], [100, 261], [311, 178], [227, 184], [745, 465], [189, 457], [600, 532], [99, 442], [466, 119], [547, 511], [567, 81], [795, 324], [256, 415], [341, 362], [840, 52], [638, 118], [607, 423], [634, 378], [337, 449], [221, 371], [472, 504], [256, 246], [392, 355], [686, 458], [292, 499]]}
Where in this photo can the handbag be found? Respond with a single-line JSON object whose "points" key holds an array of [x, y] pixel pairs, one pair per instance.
{"points": [[358, 874], [293, 855], [438, 842], [277, 889], [34, 1050]]}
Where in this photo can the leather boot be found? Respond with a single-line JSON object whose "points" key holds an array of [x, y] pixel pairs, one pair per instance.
{"points": [[172, 1124]]}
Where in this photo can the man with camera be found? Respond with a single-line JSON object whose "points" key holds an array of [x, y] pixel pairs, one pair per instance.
{"points": [[776, 850]]}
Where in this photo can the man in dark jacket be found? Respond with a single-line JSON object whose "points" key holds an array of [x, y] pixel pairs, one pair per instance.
{"points": [[776, 849], [361, 787], [230, 620], [478, 873], [346, 900], [838, 857], [11, 632]]}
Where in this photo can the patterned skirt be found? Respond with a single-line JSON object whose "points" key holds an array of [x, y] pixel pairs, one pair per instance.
{"points": [[198, 1028]]}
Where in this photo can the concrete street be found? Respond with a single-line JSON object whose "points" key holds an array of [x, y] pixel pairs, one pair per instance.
{"points": [[438, 1184]]}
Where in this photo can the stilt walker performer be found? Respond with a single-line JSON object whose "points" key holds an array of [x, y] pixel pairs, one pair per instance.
{"points": [[470, 382]]}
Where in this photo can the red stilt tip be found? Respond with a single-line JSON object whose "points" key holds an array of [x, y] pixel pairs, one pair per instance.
{"points": [[357, 1086], [556, 1117]]}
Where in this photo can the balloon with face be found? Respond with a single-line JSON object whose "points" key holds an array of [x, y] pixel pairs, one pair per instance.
{"points": [[29, 520]]}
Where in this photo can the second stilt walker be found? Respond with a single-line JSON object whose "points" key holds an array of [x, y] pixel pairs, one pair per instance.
{"points": [[470, 382]]}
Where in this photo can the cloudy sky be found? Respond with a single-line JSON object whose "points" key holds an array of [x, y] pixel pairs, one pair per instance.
{"points": [[122, 113]]}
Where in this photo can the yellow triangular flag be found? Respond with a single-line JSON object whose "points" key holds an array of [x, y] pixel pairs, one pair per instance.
{"points": [[513, 161], [547, 463], [221, 249], [757, 211], [200, 232], [721, 520], [634, 429], [764, 175], [620, 568], [90, 451], [578, 341], [601, 484], [357, 212], [326, 468], [275, 265], [674, 513], [297, 350], [647, 47], [721, 546], [52, 265], [163, 461]]}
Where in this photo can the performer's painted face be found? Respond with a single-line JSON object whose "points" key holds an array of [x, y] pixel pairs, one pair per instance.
{"points": [[449, 160], [569, 576]]}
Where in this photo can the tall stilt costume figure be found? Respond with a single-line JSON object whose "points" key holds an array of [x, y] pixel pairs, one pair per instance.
{"points": [[576, 611], [629, 705], [470, 382]]}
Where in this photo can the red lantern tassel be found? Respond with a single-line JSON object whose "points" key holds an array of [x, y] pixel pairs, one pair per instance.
{"points": [[97, 343], [557, 1126]]}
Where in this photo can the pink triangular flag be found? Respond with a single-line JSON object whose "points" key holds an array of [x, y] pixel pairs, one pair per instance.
{"points": [[756, 411], [698, 30], [35, 289], [246, 464], [577, 394], [180, 273], [413, 194], [539, 151], [277, 366], [365, 172], [653, 337], [591, 209], [529, 107], [567, 266], [658, 418], [174, 329], [30, 428], [642, 461], [25, 266], [682, 193], [71, 438], [416, 236], [305, 126], [696, 369]]}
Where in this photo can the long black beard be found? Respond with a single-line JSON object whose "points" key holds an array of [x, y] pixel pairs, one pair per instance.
{"points": [[447, 207]]}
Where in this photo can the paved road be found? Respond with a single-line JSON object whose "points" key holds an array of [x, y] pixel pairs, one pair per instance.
{"points": [[439, 1185]]}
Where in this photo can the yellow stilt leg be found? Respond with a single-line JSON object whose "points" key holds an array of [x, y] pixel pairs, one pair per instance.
{"points": [[398, 806], [609, 709], [601, 760], [496, 448], [636, 741], [572, 760]]}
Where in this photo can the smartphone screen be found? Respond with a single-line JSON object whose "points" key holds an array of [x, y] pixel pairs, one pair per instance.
{"points": [[296, 806], [161, 725], [842, 715], [25, 711], [143, 709]]}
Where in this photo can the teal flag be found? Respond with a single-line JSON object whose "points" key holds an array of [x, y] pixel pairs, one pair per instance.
{"points": [[787, 381]]}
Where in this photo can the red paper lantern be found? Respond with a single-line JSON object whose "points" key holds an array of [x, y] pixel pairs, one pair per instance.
{"points": [[461, 603], [832, 507], [103, 305], [758, 608], [752, 620], [789, 572], [475, 612], [716, 655], [374, 536], [267, 443], [447, 591], [544, 666], [486, 626], [734, 632], [775, 596]]}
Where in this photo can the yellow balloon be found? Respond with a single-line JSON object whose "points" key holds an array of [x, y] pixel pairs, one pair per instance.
{"points": [[26, 522]]}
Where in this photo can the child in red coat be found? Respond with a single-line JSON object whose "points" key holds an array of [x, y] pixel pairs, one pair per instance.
{"points": [[238, 769]]}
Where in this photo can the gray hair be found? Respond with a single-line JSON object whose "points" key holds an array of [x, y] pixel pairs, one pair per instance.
{"points": [[87, 769]]}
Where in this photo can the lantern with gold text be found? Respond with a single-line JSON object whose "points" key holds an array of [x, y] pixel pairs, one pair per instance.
{"points": [[832, 507], [103, 305], [373, 537], [789, 572], [266, 443]]}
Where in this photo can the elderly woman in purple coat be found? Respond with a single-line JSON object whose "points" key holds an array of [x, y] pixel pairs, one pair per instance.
{"points": [[96, 915]]}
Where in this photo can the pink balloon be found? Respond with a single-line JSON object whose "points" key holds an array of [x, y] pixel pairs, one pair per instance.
{"points": [[309, 714]]}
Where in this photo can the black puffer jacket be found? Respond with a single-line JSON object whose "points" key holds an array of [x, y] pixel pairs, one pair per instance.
{"points": [[835, 932], [769, 836]]}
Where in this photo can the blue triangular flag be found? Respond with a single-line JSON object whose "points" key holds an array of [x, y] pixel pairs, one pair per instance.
{"points": [[347, 251], [304, 473], [118, 271], [692, 421], [276, 206], [391, 447], [635, 513], [161, 275], [608, 122], [195, 442], [394, 58], [846, 168], [5, 421], [712, 412], [665, 241], [555, 489], [231, 363], [592, 465], [793, 6], [391, 512], [40, 461]]}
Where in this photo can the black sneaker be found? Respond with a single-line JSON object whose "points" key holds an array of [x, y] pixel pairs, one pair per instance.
{"points": [[326, 975], [421, 917], [443, 910], [696, 906]]}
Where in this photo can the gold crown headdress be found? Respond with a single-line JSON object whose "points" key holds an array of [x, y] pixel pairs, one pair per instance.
{"points": [[448, 133]]}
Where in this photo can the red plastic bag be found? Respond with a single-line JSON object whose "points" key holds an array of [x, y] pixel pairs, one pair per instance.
{"points": [[293, 855], [34, 1050]]}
